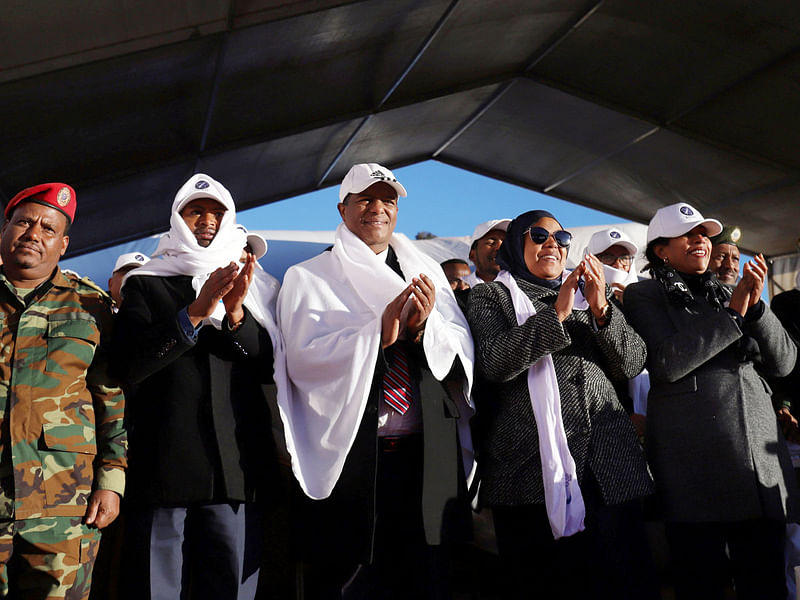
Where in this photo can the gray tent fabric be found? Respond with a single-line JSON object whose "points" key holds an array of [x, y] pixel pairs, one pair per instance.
{"points": [[619, 105]]}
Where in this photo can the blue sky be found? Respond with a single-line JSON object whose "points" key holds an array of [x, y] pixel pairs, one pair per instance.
{"points": [[444, 200]]}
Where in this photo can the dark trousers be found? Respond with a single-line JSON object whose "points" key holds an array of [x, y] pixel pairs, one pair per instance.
{"points": [[702, 569], [200, 552], [610, 559], [403, 565]]}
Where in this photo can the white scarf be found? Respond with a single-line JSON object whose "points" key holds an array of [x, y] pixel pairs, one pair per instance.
{"points": [[562, 494], [329, 310]]}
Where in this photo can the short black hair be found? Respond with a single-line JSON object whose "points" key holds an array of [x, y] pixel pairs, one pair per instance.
{"points": [[454, 261]]}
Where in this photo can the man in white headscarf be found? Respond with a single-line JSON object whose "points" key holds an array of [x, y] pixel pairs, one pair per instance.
{"points": [[195, 338], [379, 358]]}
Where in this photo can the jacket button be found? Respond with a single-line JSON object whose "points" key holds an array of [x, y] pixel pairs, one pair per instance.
{"points": [[584, 430]]}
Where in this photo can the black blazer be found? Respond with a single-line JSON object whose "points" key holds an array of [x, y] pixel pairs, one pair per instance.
{"points": [[199, 424]]}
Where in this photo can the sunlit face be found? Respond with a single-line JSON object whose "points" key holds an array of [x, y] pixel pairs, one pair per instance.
{"points": [[32, 242], [725, 262], [203, 217], [371, 215], [484, 253], [688, 253], [546, 260], [616, 256], [455, 272]]}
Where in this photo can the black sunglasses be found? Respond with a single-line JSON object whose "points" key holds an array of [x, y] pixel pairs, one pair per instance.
{"points": [[539, 235]]}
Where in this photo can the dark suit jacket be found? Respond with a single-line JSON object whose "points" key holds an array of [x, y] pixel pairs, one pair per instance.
{"points": [[199, 423], [712, 436], [600, 435], [343, 525]]}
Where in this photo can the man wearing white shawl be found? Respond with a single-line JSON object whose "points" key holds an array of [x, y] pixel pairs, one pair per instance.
{"points": [[381, 471], [195, 339]]}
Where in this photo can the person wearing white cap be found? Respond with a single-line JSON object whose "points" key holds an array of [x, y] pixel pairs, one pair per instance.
{"points": [[379, 357], [486, 242], [617, 252], [723, 474], [195, 340], [125, 263]]}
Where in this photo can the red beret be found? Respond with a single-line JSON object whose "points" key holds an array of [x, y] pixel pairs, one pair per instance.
{"points": [[58, 195]]}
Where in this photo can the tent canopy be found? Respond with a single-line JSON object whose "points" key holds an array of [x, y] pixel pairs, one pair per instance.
{"points": [[620, 105]]}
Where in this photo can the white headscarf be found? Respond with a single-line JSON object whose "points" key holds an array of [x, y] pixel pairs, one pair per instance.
{"points": [[179, 253]]}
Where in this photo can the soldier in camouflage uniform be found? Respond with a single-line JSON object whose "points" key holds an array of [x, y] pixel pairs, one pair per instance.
{"points": [[62, 443]]}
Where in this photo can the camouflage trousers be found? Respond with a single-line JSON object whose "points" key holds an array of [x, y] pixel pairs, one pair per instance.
{"points": [[47, 558]]}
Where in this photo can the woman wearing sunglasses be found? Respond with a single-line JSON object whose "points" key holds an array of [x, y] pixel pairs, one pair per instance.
{"points": [[560, 463], [722, 472]]}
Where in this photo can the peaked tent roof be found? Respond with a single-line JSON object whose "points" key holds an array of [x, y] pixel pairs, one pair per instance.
{"points": [[619, 105]]}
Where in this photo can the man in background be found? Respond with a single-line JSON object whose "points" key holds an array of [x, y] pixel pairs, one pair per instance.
{"points": [[725, 255], [486, 241], [456, 269], [124, 265]]}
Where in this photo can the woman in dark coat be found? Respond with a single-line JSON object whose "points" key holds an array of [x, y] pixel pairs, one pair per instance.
{"points": [[532, 322], [722, 472]]}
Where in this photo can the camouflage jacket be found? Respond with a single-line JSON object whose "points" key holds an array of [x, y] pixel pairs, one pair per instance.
{"points": [[61, 430]]}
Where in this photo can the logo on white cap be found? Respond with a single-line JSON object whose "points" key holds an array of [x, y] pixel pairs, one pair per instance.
{"points": [[687, 210], [615, 234], [201, 185]]}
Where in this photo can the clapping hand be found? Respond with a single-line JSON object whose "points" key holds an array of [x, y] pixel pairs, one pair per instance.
{"points": [[422, 293], [748, 291]]}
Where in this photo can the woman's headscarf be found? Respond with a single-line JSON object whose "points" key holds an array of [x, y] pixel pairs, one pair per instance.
{"points": [[511, 255]]}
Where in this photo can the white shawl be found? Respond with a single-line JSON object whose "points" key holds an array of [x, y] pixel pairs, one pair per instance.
{"points": [[562, 494], [329, 310]]}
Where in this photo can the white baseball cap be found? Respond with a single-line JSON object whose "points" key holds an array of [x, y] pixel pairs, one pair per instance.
{"points": [[201, 185], [257, 243], [130, 258], [676, 219], [484, 228], [604, 239], [363, 175]]}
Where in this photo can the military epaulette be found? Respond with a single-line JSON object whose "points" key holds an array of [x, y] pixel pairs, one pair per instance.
{"points": [[85, 281]]}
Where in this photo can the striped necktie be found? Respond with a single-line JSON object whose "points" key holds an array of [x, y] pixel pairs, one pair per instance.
{"points": [[397, 381]]}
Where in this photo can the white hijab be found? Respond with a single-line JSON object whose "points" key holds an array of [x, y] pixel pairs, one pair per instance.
{"points": [[330, 310]]}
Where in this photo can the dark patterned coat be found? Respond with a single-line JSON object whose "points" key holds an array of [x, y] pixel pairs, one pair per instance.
{"points": [[600, 435]]}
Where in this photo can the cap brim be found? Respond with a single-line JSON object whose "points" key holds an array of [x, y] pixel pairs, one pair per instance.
{"points": [[713, 227], [257, 244], [398, 187], [199, 194]]}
